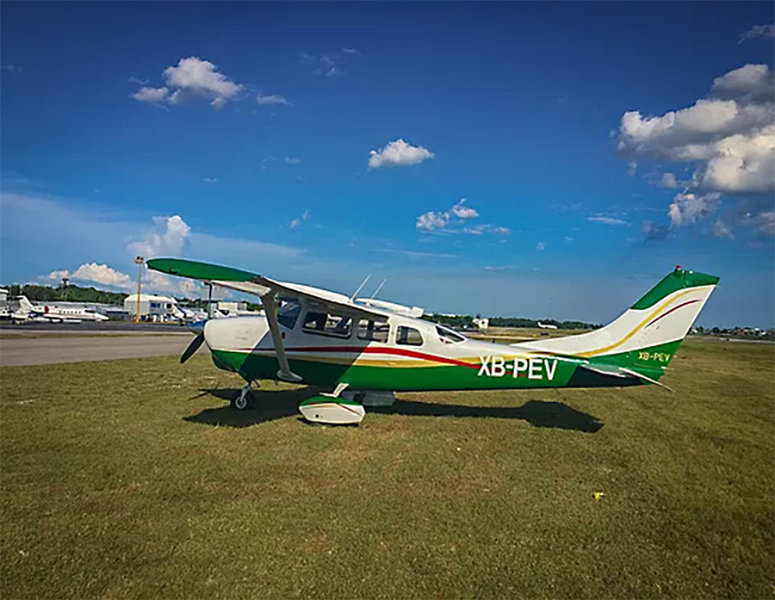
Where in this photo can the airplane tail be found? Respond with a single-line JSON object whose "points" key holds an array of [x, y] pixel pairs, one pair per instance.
{"points": [[25, 306], [643, 340]]}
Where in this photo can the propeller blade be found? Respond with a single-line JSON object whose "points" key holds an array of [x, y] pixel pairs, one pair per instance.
{"points": [[192, 347]]}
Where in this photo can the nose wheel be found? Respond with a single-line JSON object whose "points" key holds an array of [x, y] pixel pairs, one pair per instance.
{"points": [[243, 400]]}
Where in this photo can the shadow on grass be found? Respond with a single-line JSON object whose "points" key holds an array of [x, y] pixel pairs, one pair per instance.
{"points": [[538, 413], [269, 406]]}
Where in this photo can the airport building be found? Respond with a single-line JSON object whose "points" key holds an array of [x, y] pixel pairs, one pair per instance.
{"points": [[152, 308]]}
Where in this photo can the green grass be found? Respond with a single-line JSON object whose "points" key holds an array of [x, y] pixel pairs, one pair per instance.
{"points": [[116, 481]]}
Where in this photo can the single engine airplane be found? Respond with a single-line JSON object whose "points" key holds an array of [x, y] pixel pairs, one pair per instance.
{"points": [[364, 350]]}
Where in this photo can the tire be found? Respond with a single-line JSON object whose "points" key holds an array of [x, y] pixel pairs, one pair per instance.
{"points": [[240, 403]]}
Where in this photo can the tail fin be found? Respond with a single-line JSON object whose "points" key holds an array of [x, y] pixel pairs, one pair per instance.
{"points": [[646, 336], [25, 306]]}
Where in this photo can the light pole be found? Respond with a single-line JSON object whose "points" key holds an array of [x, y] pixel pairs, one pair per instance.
{"points": [[139, 261]]}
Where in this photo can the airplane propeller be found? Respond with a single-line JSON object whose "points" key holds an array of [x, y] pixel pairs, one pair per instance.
{"points": [[192, 347]]}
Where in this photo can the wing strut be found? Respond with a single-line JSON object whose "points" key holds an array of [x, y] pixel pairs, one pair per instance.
{"points": [[269, 301]]}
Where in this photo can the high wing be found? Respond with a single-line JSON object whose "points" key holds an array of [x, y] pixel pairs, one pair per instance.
{"points": [[270, 291]]}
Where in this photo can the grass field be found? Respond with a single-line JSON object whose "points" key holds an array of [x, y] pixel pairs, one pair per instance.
{"points": [[134, 479]]}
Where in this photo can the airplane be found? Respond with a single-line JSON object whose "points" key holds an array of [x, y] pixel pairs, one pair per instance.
{"points": [[364, 351], [546, 325], [29, 312]]}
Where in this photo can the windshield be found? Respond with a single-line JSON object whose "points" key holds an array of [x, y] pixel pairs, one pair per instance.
{"points": [[448, 336], [288, 314]]}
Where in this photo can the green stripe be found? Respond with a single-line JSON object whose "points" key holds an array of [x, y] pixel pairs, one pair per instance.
{"points": [[677, 280], [198, 270]]}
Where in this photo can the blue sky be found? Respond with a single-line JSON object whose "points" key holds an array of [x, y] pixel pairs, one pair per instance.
{"points": [[243, 134]]}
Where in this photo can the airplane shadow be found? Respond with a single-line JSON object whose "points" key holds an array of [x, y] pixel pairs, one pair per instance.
{"points": [[270, 406]]}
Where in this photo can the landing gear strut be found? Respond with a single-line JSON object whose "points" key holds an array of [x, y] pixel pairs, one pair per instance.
{"points": [[244, 400]]}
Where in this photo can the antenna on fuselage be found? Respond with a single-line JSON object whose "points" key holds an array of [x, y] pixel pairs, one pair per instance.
{"points": [[360, 287], [379, 287]]}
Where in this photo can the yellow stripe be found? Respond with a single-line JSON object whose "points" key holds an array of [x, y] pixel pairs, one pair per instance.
{"points": [[639, 327]]}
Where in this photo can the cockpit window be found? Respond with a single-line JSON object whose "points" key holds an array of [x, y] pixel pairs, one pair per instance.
{"points": [[288, 314], [448, 336]]}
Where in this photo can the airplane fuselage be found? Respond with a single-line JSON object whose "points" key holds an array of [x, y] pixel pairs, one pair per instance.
{"points": [[420, 361]]}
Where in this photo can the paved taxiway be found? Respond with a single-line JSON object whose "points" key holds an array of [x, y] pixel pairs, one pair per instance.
{"points": [[43, 348]]}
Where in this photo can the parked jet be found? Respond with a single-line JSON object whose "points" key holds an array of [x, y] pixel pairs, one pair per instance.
{"points": [[29, 312], [364, 351]]}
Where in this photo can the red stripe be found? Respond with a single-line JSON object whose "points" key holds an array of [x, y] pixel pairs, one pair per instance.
{"points": [[374, 350], [671, 310]]}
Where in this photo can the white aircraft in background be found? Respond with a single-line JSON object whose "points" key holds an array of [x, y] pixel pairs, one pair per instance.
{"points": [[546, 325], [29, 312]]}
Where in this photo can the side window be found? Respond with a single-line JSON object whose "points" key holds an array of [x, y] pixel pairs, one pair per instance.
{"points": [[328, 324], [373, 331], [408, 336], [288, 314]]}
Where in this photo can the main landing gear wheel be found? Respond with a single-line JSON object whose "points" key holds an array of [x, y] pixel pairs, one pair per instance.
{"points": [[244, 400]]}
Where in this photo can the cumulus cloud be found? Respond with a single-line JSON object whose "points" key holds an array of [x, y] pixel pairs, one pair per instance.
{"points": [[607, 220], [95, 273], [464, 212], [541, 246], [455, 220], [271, 99], [632, 168], [668, 181], [689, 207], [292, 160], [192, 78], [728, 138], [398, 153], [59, 275], [151, 94], [757, 31], [432, 220], [210, 179], [168, 236]]}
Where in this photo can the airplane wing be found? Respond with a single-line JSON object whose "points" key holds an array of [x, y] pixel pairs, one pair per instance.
{"points": [[269, 291], [259, 285]]}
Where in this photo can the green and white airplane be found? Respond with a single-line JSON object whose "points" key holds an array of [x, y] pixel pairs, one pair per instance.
{"points": [[364, 350]]}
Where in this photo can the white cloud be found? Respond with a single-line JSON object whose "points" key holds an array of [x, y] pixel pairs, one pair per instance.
{"points": [[191, 78], [151, 94], [432, 220], [541, 246], [632, 167], [464, 212], [168, 237], [482, 229], [567, 238], [689, 207], [764, 222], [292, 160], [271, 99], [351, 51], [210, 179], [607, 220], [398, 153], [297, 221], [59, 275], [668, 181], [727, 138], [757, 31]]}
